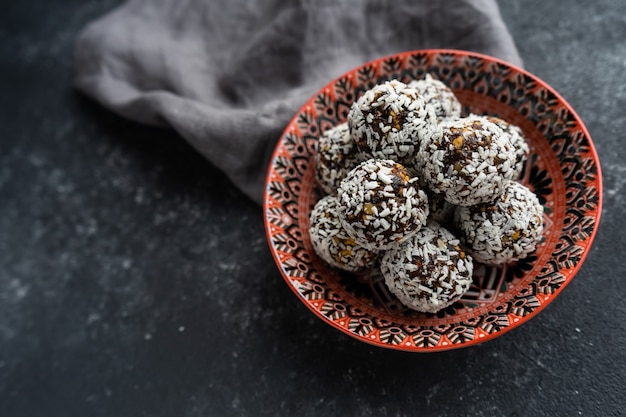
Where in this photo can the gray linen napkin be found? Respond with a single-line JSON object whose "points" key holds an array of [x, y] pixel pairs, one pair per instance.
{"points": [[229, 75]]}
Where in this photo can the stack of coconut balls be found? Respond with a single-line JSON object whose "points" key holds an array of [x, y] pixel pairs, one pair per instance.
{"points": [[405, 171]]}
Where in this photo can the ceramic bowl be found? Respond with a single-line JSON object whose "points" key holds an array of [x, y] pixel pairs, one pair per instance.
{"points": [[563, 170]]}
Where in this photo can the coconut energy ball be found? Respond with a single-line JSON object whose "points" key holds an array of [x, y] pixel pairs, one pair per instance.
{"points": [[336, 155], [390, 120], [505, 230], [517, 139], [428, 272], [331, 242], [380, 204], [439, 95], [469, 163]]}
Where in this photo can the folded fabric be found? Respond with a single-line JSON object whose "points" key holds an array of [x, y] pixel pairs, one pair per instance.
{"points": [[229, 75]]}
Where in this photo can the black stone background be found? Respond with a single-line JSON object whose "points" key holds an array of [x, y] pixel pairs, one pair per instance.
{"points": [[135, 280]]}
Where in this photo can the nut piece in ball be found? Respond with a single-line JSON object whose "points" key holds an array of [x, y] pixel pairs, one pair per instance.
{"points": [[331, 242], [380, 204], [505, 230], [428, 272], [390, 120], [470, 163]]}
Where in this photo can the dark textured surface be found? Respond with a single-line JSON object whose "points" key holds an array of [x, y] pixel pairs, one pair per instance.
{"points": [[135, 279]]}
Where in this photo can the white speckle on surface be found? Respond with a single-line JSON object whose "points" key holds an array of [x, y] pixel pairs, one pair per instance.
{"points": [[89, 228], [127, 263], [181, 329], [235, 403], [577, 330], [147, 336], [139, 195], [227, 266], [18, 290], [35, 160], [92, 318], [615, 180]]}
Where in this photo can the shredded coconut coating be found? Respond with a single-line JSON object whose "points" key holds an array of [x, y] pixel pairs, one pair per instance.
{"points": [[469, 163], [439, 95], [390, 120], [428, 272], [503, 231], [336, 155], [380, 205], [519, 143], [331, 242]]}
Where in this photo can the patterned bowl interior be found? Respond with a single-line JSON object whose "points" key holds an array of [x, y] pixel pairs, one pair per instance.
{"points": [[563, 171]]}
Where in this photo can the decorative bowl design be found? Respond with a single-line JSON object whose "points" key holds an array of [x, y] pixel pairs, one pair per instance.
{"points": [[563, 171]]}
